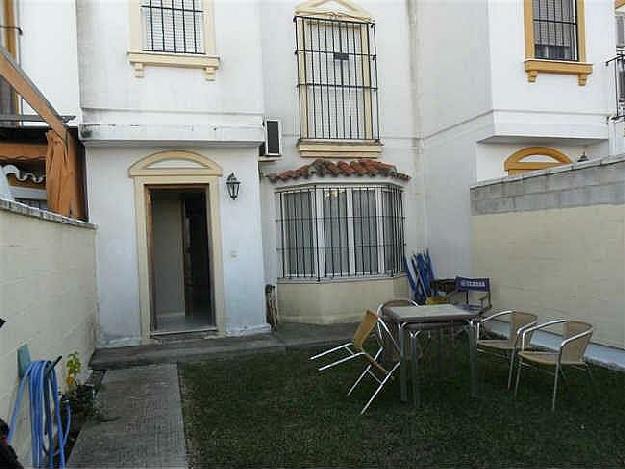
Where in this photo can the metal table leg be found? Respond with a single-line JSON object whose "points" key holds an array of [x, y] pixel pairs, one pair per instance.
{"points": [[402, 364], [473, 359], [416, 392]]}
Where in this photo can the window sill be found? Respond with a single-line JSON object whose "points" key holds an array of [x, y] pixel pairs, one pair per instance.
{"points": [[140, 59], [535, 66], [339, 149], [345, 279]]}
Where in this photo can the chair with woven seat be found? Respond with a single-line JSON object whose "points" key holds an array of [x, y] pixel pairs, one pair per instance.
{"points": [[374, 369], [349, 347], [518, 322], [576, 337]]}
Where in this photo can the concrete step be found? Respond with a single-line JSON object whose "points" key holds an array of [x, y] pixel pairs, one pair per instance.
{"points": [[287, 336]]}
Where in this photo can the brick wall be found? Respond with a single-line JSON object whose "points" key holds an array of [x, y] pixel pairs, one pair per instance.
{"points": [[553, 242], [47, 296]]}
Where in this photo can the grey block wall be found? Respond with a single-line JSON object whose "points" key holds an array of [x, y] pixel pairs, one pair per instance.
{"points": [[595, 182]]}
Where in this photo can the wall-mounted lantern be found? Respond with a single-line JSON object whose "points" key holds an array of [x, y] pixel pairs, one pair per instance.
{"points": [[232, 183]]}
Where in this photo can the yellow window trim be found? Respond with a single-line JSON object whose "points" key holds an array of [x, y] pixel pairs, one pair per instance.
{"points": [[514, 164], [139, 59], [324, 149], [534, 66], [154, 171], [319, 9]]}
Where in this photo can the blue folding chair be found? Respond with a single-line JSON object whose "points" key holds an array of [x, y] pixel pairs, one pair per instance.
{"points": [[472, 287]]}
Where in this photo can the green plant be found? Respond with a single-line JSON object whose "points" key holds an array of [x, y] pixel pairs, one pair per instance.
{"points": [[73, 366]]}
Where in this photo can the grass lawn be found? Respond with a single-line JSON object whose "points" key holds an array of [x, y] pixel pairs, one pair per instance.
{"points": [[275, 410]]}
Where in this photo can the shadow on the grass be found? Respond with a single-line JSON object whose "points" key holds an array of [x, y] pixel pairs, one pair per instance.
{"points": [[276, 410]]}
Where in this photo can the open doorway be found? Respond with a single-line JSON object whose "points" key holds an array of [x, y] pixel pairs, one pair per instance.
{"points": [[182, 293]]}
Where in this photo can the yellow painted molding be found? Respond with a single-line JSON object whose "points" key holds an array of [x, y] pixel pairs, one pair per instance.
{"points": [[139, 59], [534, 66], [321, 149], [152, 165], [145, 176], [528, 15], [327, 9], [514, 164], [619, 3]]}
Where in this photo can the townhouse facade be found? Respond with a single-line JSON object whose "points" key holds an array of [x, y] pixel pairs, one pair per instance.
{"points": [[236, 150]]}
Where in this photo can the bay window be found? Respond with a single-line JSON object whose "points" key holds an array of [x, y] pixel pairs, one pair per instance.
{"points": [[334, 231]]}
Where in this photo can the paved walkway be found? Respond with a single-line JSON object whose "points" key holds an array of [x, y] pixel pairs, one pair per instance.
{"points": [[609, 357], [146, 427], [288, 335], [140, 392]]}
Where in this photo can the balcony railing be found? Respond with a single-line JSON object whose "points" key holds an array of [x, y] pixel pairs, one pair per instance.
{"points": [[618, 68]]}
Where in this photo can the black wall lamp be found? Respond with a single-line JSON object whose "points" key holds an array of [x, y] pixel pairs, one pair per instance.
{"points": [[233, 184]]}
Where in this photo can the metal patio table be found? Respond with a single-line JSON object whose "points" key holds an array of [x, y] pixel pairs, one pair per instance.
{"points": [[440, 315]]}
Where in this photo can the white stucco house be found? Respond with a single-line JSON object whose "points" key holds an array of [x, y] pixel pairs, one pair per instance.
{"points": [[354, 130]]}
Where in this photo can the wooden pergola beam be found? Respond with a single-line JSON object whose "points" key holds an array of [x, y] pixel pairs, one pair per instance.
{"points": [[25, 151], [19, 81]]}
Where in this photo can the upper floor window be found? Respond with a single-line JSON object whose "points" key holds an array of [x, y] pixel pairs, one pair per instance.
{"points": [[620, 31], [172, 33], [555, 30], [337, 79], [174, 26], [555, 39]]}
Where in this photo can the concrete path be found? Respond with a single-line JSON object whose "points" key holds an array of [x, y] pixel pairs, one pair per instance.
{"points": [[146, 430], [288, 335], [609, 357]]}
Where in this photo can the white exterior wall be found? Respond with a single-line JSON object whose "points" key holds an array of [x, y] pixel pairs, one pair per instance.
{"points": [[170, 104], [555, 106], [47, 51], [127, 118], [398, 130], [478, 108], [455, 98], [111, 202], [47, 297]]}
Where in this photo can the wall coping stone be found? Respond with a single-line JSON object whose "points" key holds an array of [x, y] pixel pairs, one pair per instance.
{"points": [[19, 208], [604, 161]]}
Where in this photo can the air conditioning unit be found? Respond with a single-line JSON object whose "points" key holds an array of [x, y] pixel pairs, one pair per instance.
{"points": [[273, 138], [620, 31]]}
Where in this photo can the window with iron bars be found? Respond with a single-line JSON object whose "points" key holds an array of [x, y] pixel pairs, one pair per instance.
{"points": [[555, 30], [329, 232], [174, 26], [337, 79]]}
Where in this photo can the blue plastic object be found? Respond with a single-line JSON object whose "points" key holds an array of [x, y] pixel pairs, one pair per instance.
{"points": [[23, 360], [45, 414]]}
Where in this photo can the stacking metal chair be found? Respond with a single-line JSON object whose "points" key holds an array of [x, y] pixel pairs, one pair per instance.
{"points": [[349, 348], [507, 348], [356, 348], [576, 337], [374, 369], [382, 315]]}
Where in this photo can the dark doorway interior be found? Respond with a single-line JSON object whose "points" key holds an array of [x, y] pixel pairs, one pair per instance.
{"points": [[181, 277]]}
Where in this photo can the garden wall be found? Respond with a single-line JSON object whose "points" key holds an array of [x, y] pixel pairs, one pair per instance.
{"points": [[553, 243], [47, 297]]}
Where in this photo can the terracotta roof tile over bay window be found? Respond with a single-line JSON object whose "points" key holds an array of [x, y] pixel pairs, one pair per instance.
{"points": [[323, 168]]}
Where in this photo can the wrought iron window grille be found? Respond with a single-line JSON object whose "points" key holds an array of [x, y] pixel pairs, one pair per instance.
{"points": [[337, 79], [173, 26], [555, 30], [618, 67], [328, 232]]}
